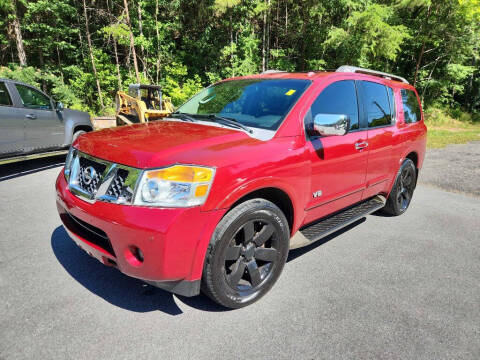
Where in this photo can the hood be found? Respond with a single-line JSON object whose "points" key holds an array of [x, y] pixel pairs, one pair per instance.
{"points": [[163, 143]]}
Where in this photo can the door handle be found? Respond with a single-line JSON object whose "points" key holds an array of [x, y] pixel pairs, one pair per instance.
{"points": [[31, 116], [361, 145]]}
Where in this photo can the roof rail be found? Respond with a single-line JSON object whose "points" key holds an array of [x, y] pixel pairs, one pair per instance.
{"points": [[271, 71], [354, 69]]}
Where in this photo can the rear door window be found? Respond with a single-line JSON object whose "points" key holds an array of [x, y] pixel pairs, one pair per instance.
{"points": [[377, 104], [411, 107], [337, 98], [32, 98], [5, 99]]}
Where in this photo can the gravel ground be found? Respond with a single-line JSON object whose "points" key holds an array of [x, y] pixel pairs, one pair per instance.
{"points": [[455, 168]]}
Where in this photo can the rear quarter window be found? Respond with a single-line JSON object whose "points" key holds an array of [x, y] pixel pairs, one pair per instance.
{"points": [[411, 107]]}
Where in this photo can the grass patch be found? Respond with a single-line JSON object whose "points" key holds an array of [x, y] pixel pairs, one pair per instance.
{"points": [[438, 138], [450, 128]]}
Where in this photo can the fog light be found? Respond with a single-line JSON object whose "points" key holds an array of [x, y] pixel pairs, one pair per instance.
{"points": [[138, 254], [134, 255]]}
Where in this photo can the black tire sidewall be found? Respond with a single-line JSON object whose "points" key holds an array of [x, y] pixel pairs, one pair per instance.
{"points": [[219, 290], [392, 203]]}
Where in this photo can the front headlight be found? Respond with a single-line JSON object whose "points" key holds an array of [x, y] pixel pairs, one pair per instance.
{"points": [[175, 186], [68, 162]]}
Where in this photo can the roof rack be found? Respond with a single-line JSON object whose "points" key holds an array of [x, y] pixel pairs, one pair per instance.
{"points": [[272, 71], [354, 69]]}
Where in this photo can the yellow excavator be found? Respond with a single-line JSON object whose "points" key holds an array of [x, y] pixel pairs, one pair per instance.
{"points": [[142, 103]]}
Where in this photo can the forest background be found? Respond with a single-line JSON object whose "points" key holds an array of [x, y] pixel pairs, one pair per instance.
{"points": [[83, 51]]}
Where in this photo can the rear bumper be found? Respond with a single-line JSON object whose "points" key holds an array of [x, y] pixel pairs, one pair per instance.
{"points": [[173, 241]]}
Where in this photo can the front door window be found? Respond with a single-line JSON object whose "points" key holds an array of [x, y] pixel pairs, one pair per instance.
{"points": [[33, 99]]}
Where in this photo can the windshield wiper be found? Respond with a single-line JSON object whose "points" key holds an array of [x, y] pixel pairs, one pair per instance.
{"points": [[182, 116], [225, 121]]}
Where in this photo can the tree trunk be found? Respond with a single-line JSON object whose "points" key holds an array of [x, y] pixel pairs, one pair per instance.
{"points": [[232, 56], [80, 38], [267, 55], [303, 43], [115, 49], [89, 42], [119, 77], [422, 50], [264, 48], [140, 28], [59, 64], [424, 90], [132, 41], [127, 61], [469, 104], [158, 43], [277, 22], [42, 65], [419, 61], [22, 57]]}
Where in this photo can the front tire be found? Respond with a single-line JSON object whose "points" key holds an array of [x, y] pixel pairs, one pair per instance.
{"points": [[402, 191], [247, 253]]}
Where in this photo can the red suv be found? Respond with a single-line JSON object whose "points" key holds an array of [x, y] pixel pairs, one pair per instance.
{"points": [[214, 196]]}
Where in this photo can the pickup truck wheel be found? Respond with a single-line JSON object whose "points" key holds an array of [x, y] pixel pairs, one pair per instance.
{"points": [[246, 254], [76, 134], [402, 192]]}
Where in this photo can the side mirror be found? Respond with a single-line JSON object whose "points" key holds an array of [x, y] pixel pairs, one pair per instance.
{"points": [[59, 106], [331, 124]]}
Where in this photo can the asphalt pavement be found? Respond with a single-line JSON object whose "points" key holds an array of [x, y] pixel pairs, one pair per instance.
{"points": [[403, 287], [455, 168]]}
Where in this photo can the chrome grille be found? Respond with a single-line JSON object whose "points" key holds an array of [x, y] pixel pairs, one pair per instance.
{"points": [[116, 187], [90, 173], [95, 179]]}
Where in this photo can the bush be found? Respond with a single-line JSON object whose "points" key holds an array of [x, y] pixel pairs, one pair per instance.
{"points": [[441, 116], [52, 83], [178, 86]]}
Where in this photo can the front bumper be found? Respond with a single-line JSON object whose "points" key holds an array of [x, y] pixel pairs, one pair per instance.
{"points": [[173, 241]]}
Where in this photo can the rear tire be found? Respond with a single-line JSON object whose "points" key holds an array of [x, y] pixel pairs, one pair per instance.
{"points": [[246, 254], [402, 191]]}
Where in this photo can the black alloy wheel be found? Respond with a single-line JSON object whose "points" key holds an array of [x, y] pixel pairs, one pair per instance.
{"points": [[246, 254], [251, 256], [402, 192]]}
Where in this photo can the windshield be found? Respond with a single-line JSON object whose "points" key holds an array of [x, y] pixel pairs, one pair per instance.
{"points": [[259, 103]]}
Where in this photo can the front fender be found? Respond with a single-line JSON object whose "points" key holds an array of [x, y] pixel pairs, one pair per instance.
{"points": [[293, 192], [73, 119]]}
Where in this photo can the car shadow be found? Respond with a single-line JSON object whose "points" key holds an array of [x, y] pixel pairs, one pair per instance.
{"points": [[133, 294], [116, 288], [380, 213], [26, 167]]}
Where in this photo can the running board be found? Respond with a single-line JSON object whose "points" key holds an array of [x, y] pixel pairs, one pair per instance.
{"points": [[329, 225]]}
